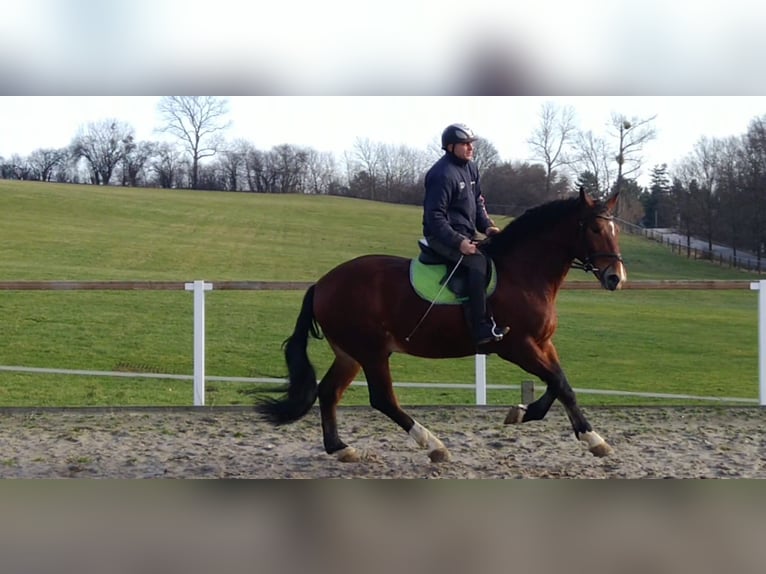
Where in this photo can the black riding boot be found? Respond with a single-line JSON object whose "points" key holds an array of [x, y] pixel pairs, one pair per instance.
{"points": [[482, 329]]}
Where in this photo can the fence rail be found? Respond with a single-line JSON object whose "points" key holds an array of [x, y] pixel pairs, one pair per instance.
{"points": [[302, 285], [148, 285]]}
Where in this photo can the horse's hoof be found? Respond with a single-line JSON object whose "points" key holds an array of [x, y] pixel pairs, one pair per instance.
{"points": [[439, 455], [348, 454], [602, 450], [515, 415], [596, 445]]}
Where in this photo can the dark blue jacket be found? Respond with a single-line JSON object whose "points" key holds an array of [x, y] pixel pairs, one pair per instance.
{"points": [[453, 208]]}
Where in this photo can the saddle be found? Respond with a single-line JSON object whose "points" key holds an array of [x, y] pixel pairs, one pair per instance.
{"points": [[429, 272]]}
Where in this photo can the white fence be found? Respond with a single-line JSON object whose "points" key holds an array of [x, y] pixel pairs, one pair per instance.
{"points": [[200, 287]]}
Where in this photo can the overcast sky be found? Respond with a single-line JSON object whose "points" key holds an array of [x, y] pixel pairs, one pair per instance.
{"points": [[333, 123]]}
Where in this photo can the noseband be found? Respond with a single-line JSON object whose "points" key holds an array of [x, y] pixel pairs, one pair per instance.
{"points": [[587, 264]]}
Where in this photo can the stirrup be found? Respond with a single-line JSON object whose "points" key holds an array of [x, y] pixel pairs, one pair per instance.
{"points": [[495, 333], [498, 332]]}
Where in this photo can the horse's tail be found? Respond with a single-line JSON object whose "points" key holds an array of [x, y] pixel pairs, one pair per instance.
{"points": [[302, 385]]}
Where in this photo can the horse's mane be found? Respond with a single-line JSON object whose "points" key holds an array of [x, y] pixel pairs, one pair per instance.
{"points": [[529, 223]]}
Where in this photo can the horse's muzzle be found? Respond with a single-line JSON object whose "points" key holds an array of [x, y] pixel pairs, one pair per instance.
{"points": [[614, 276]]}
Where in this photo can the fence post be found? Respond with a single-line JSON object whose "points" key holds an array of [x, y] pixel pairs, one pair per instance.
{"points": [[199, 288], [760, 286], [527, 392], [481, 380]]}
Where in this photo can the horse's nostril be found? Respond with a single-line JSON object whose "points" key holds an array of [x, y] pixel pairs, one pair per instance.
{"points": [[612, 281]]}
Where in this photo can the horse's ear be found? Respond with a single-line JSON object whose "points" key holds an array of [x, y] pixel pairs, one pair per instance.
{"points": [[586, 199], [611, 203]]}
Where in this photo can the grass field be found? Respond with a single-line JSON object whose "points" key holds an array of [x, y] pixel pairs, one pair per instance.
{"points": [[685, 342]]}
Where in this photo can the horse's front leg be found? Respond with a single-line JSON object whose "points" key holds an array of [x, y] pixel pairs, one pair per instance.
{"points": [[545, 365], [582, 429]]}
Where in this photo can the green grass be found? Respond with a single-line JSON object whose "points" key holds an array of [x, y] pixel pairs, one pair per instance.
{"points": [[685, 342]]}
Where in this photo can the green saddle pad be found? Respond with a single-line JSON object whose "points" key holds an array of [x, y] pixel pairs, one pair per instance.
{"points": [[425, 280]]}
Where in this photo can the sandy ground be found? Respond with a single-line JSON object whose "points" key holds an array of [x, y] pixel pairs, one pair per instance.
{"points": [[652, 442]]}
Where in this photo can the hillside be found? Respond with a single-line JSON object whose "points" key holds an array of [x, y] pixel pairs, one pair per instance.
{"points": [[69, 232]]}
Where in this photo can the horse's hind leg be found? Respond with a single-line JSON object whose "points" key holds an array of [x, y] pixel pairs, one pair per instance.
{"points": [[337, 379], [383, 399]]}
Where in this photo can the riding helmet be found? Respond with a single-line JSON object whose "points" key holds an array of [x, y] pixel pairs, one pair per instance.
{"points": [[457, 133]]}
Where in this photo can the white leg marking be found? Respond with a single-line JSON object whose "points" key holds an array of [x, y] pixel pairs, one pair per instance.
{"points": [[592, 439], [596, 445], [348, 454], [425, 438], [437, 452], [515, 415]]}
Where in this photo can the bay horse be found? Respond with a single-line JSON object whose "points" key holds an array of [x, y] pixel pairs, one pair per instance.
{"points": [[366, 309]]}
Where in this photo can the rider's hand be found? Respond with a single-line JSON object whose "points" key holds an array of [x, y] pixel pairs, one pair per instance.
{"points": [[467, 247]]}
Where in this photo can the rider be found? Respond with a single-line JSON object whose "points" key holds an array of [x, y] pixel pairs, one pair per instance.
{"points": [[453, 211]]}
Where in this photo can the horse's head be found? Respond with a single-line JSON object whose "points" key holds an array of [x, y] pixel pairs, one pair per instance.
{"points": [[597, 247]]}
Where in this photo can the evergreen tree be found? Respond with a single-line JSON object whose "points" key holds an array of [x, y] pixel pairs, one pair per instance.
{"points": [[589, 181], [658, 203]]}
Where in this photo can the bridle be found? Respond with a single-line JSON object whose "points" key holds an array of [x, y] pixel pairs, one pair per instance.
{"points": [[587, 264]]}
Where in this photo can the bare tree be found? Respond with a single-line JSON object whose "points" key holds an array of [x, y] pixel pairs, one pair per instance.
{"points": [[401, 172], [551, 138], [367, 158], [198, 122], [598, 157], [167, 165], [231, 163], [290, 163], [16, 167], [259, 175], [434, 149], [44, 162], [633, 134], [485, 155], [699, 172], [591, 155], [320, 171], [134, 161], [284, 169], [735, 209], [102, 145], [512, 188]]}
